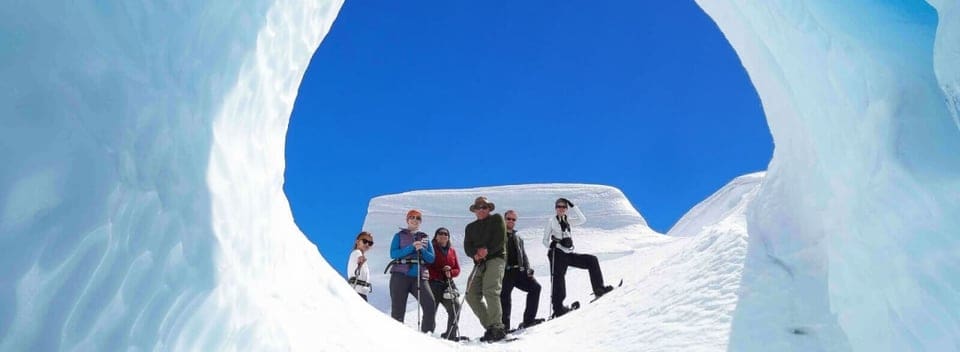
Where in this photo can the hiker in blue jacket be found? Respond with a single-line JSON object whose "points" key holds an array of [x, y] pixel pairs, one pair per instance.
{"points": [[409, 249]]}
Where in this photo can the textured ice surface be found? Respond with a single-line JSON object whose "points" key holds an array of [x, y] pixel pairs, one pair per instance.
{"points": [[141, 202], [858, 205]]}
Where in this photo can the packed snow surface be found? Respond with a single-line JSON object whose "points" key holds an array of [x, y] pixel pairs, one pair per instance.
{"points": [[678, 293], [141, 202]]}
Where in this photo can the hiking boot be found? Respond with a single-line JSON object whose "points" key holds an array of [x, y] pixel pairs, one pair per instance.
{"points": [[560, 310], [603, 290], [528, 324], [486, 335], [496, 334]]}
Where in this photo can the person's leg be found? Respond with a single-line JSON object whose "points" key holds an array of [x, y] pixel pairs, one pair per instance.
{"points": [[559, 284], [429, 306], [475, 296], [532, 288], [398, 296], [492, 285], [453, 322], [437, 288], [414, 293], [589, 262], [505, 299], [449, 306]]}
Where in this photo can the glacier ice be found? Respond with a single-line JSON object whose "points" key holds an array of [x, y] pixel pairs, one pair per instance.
{"points": [[115, 118], [859, 200], [141, 202]]}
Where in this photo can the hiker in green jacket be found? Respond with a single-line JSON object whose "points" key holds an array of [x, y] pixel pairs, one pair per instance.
{"points": [[485, 241]]}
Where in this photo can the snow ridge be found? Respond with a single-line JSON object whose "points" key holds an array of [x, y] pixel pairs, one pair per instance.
{"points": [[718, 206]]}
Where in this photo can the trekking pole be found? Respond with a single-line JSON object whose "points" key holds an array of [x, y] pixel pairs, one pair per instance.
{"points": [[419, 274], [456, 312], [553, 261], [456, 317]]}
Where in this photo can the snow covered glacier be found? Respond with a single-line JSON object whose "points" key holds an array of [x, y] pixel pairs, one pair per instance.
{"points": [[141, 204], [859, 206]]}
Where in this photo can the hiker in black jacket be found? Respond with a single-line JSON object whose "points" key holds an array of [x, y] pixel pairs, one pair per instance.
{"points": [[518, 274]]}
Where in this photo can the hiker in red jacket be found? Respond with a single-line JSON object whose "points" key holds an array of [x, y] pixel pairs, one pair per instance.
{"points": [[445, 267]]}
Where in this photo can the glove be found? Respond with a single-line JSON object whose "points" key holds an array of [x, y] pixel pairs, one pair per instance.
{"points": [[530, 272], [569, 203], [567, 242]]}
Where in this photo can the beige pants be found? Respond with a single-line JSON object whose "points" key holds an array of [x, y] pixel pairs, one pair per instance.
{"points": [[486, 285]]}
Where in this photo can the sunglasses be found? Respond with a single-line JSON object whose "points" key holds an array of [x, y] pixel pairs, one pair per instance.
{"points": [[366, 241], [561, 207], [483, 207], [415, 218], [511, 219], [443, 234]]}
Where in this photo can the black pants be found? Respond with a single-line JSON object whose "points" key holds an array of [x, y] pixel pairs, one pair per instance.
{"points": [[576, 260], [400, 286], [526, 283], [452, 306]]}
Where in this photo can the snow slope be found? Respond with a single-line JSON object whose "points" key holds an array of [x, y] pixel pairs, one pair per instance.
{"points": [[611, 232], [141, 203], [722, 204], [679, 293]]}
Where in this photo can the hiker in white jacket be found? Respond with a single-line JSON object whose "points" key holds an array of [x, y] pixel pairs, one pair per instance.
{"points": [[358, 272], [557, 237], [555, 232]]}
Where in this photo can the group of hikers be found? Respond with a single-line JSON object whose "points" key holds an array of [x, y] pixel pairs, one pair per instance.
{"points": [[425, 270]]}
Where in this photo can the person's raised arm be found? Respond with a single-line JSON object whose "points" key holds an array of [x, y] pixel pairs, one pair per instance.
{"points": [[577, 218]]}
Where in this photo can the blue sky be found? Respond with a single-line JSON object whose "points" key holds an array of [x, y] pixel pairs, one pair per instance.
{"points": [[647, 97]]}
